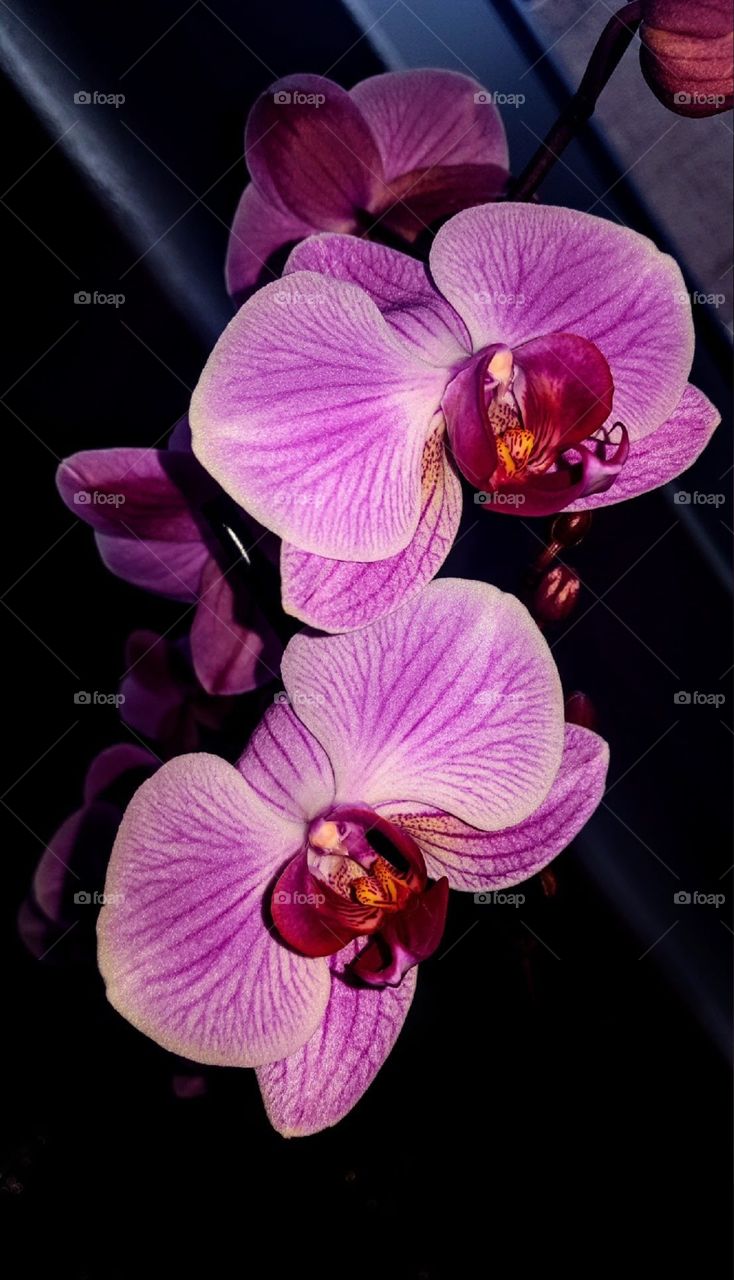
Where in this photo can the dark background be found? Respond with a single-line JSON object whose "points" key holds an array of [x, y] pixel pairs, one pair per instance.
{"points": [[559, 1096]]}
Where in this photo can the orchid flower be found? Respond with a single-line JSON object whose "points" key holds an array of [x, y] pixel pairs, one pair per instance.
{"points": [[544, 351], [272, 914], [145, 506], [71, 871], [389, 157]]}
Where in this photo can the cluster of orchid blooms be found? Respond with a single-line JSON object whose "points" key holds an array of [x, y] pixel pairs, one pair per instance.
{"points": [[271, 912]]}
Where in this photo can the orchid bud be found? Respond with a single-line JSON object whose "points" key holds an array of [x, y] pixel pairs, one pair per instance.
{"points": [[686, 54], [556, 594], [571, 528]]}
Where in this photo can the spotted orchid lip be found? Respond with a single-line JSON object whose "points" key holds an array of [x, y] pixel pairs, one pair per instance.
{"points": [[360, 875], [524, 422]]}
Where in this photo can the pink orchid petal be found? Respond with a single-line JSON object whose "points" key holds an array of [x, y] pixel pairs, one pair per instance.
{"points": [[313, 415], [286, 767], [515, 272], [148, 493], [259, 230], [664, 454], [318, 1085], [431, 117], [477, 860], [229, 654], [399, 285], [341, 595], [171, 569], [316, 159], [454, 700], [184, 948]]}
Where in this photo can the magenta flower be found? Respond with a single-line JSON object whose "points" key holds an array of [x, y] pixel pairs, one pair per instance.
{"points": [[389, 157], [544, 351], [145, 506], [272, 915]]}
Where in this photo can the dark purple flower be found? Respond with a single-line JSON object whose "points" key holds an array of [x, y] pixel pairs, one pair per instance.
{"points": [[163, 699], [146, 508], [392, 155]]}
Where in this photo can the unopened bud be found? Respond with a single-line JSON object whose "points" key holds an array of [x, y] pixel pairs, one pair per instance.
{"points": [[556, 594], [569, 529]]}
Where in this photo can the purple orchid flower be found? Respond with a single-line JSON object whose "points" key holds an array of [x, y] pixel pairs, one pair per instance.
{"points": [[145, 506], [163, 699], [70, 874], [391, 156], [272, 914], [544, 351]]}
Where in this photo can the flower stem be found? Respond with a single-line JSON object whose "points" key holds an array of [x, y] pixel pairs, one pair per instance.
{"points": [[608, 52]]}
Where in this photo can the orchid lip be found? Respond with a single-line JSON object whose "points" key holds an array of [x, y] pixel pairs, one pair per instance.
{"points": [[359, 875], [515, 414]]}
